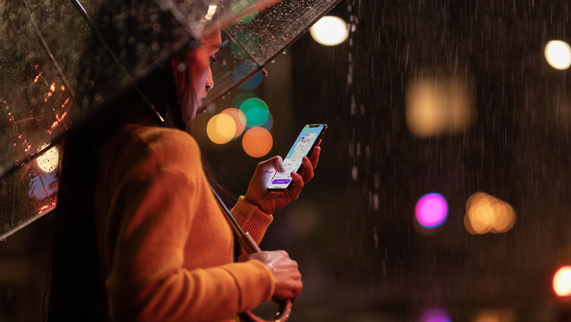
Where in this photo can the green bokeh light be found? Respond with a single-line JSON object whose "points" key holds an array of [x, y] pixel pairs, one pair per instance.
{"points": [[256, 112], [241, 98]]}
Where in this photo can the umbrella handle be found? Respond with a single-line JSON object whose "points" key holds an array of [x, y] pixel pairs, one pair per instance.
{"points": [[251, 247], [284, 310], [282, 315]]}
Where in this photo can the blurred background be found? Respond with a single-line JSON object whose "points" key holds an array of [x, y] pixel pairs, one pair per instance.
{"points": [[442, 190]]}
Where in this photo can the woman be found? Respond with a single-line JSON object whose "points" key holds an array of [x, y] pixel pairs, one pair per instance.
{"points": [[160, 248]]}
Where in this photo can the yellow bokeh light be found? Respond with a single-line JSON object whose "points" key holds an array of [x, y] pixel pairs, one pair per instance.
{"points": [[48, 161], [221, 128], [239, 120], [329, 31], [562, 281], [257, 142], [438, 105], [558, 54], [485, 213]]}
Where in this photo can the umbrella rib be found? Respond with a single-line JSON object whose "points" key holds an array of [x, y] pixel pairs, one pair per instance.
{"points": [[243, 48], [47, 50]]}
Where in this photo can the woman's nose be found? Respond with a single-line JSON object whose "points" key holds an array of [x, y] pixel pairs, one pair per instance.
{"points": [[209, 81]]}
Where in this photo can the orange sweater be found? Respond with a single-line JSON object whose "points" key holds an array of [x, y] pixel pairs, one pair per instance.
{"points": [[165, 247]]}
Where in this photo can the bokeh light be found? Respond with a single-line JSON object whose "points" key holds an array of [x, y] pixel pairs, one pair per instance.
{"points": [[241, 98], [252, 83], [256, 112], [438, 105], [239, 120], [48, 161], [485, 213], [435, 315], [431, 210], [221, 128], [269, 122], [501, 315], [329, 31], [243, 70], [257, 142], [558, 54], [562, 281]]}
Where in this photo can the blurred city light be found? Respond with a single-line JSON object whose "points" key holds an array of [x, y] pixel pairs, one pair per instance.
{"points": [[329, 31], [438, 105], [431, 210], [48, 161], [485, 213], [221, 128], [241, 98], [257, 142], [252, 83], [503, 315], [558, 54], [269, 122], [239, 120], [562, 281], [256, 112], [435, 315]]}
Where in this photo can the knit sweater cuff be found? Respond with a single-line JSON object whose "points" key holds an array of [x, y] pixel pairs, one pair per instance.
{"points": [[252, 219], [255, 283]]}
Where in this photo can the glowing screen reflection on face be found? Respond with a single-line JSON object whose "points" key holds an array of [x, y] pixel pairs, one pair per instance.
{"points": [[431, 210]]}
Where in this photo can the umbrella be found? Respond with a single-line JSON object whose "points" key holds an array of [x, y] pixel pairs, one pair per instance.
{"points": [[65, 61]]}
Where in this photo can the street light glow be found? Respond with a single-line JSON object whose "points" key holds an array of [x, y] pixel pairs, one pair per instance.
{"points": [[329, 31], [562, 281], [48, 161], [558, 54]]}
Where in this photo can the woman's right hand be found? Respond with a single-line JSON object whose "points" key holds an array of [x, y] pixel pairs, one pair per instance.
{"points": [[287, 277]]}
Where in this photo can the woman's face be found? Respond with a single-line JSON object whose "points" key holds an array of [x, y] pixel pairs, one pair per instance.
{"points": [[199, 60]]}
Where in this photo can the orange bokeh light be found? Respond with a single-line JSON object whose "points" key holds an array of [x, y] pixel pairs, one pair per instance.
{"points": [[257, 142], [239, 119], [221, 128], [562, 281], [485, 213]]}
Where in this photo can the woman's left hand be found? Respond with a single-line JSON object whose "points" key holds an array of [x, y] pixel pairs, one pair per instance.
{"points": [[270, 201]]}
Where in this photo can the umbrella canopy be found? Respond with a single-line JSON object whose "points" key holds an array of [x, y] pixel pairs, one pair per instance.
{"points": [[65, 61]]}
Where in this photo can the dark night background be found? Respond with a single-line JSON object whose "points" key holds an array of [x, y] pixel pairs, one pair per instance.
{"points": [[363, 261]]}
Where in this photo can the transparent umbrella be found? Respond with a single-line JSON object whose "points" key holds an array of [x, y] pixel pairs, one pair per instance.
{"points": [[63, 62]]}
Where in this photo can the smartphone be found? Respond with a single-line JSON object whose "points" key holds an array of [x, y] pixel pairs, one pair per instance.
{"points": [[306, 141]]}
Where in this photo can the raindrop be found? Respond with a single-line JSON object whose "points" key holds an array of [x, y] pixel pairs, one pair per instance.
{"points": [[355, 173]]}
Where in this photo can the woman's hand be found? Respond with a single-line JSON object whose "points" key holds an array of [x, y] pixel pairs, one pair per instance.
{"points": [[287, 278], [271, 201]]}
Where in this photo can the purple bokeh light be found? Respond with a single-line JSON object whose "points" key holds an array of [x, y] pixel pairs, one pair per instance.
{"points": [[435, 315], [431, 210]]}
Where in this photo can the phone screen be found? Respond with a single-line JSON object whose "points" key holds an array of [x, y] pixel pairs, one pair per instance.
{"points": [[304, 144]]}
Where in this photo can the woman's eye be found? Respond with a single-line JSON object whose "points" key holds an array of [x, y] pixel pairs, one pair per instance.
{"points": [[212, 60]]}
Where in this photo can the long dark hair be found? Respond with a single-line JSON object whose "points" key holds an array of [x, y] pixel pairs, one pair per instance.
{"points": [[76, 289]]}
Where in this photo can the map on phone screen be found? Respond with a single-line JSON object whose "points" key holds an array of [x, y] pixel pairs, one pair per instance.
{"points": [[293, 160]]}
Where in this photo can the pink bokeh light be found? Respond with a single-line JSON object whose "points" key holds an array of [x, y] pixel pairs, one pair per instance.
{"points": [[431, 210]]}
